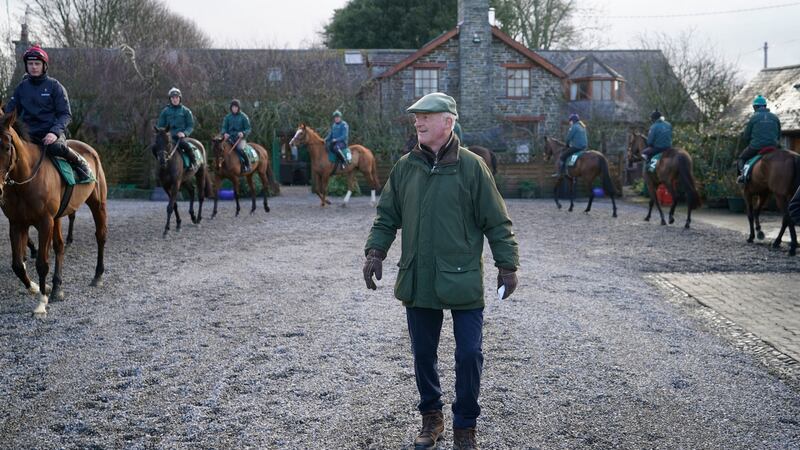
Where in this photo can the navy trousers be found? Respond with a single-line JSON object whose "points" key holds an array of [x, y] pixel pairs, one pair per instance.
{"points": [[424, 328]]}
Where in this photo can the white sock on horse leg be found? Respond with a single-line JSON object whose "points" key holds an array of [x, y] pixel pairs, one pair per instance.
{"points": [[347, 196], [372, 195]]}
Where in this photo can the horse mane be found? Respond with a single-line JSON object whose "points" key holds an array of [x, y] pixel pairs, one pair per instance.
{"points": [[311, 132]]}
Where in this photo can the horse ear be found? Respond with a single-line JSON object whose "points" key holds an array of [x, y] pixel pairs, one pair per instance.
{"points": [[9, 119], [302, 125], [155, 128]]}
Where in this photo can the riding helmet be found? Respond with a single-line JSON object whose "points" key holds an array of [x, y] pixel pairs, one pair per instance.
{"points": [[235, 103], [175, 91], [759, 101], [655, 115], [337, 113], [574, 117], [36, 53]]}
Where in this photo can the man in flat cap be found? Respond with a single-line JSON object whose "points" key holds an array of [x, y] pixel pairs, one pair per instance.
{"points": [[444, 199]]}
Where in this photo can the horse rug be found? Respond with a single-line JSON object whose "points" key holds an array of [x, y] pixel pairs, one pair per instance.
{"points": [[187, 163], [651, 166], [251, 154], [747, 170], [573, 159], [345, 151], [68, 173]]}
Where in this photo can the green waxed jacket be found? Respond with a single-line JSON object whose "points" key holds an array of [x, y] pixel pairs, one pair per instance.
{"points": [[444, 210], [762, 130], [178, 118], [233, 124]]}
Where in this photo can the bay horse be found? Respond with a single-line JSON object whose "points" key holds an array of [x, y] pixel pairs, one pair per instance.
{"points": [[777, 172], [32, 246], [227, 165], [172, 175], [590, 165], [674, 169], [31, 191], [322, 168], [487, 155]]}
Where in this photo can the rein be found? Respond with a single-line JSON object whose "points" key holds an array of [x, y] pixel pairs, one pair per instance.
{"points": [[173, 149], [228, 152], [11, 182]]}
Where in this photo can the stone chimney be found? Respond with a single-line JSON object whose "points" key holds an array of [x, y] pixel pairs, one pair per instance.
{"points": [[475, 64]]}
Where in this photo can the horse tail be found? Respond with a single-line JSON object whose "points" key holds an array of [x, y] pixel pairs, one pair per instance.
{"points": [[208, 191], [274, 187], [608, 185], [687, 180], [376, 182]]}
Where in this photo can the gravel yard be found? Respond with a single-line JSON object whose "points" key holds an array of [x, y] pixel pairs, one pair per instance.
{"points": [[258, 332]]}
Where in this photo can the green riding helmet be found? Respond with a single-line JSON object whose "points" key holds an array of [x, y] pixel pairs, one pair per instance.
{"points": [[759, 101], [337, 113]]}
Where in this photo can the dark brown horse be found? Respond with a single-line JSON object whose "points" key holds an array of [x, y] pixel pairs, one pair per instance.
{"points": [[322, 168], [227, 165], [590, 165], [487, 155], [673, 170], [777, 172], [172, 175], [31, 191]]}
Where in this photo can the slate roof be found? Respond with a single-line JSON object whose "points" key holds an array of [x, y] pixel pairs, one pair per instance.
{"points": [[778, 86]]}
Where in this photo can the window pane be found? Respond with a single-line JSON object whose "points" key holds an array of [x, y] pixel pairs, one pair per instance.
{"points": [[518, 82], [425, 81], [573, 91], [606, 90]]}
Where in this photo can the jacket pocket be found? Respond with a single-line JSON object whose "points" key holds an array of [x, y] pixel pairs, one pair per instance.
{"points": [[405, 284], [458, 279]]}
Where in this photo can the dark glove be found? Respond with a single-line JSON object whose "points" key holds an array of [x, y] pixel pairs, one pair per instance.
{"points": [[373, 265], [507, 278]]}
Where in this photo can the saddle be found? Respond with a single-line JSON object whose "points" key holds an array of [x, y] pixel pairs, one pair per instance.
{"points": [[573, 159], [653, 163], [187, 163], [68, 174], [251, 155]]}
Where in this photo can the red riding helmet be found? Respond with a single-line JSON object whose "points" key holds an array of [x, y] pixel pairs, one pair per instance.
{"points": [[35, 53]]}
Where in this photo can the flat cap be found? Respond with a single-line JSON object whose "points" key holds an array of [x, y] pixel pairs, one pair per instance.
{"points": [[435, 102]]}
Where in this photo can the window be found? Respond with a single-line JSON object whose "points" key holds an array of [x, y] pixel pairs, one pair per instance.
{"points": [[353, 58], [618, 92], [425, 81], [601, 90], [579, 90], [519, 82]]}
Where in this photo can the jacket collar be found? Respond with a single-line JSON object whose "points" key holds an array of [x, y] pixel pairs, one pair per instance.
{"points": [[446, 155]]}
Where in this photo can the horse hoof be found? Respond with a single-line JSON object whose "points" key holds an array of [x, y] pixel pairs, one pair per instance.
{"points": [[647, 219], [686, 226], [34, 289], [792, 252], [776, 245], [266, 209], [57, 295], [97, 282], [663, 222], [41, 308], [750, 240], [614, 215], [760, 235], [671, 220], [373, 204]]}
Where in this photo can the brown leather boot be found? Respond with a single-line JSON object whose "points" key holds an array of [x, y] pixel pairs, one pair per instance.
{"points": [[432, 429], [464, 439]]}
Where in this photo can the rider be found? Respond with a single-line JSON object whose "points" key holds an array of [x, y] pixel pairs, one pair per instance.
{"points": [[659, 138], [337, 139], [236, 127], [576, 142], [43, 106], [180, 121], [763, 130]]}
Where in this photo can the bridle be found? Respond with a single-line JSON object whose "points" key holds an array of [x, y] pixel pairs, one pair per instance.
{"points": [[14, 158]]}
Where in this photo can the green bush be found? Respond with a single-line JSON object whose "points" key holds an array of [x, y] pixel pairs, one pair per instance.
{"points": [[337, 186]]}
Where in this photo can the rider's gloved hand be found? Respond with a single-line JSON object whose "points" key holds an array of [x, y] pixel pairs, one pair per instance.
{"points": [[373, 266]]}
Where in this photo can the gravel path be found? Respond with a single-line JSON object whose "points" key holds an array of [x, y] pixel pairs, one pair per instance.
{"points": [[258, 332]]}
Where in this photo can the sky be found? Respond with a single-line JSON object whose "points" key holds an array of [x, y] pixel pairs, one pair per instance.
{"points": [[737, 36]]}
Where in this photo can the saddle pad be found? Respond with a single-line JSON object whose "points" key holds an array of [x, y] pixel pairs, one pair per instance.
{"points": [[187, 164], [252, 155], [347, 154], [68, 173], [651, 166], [747, 170], [573, 159]]}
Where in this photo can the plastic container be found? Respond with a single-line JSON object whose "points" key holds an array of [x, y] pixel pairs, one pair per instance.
{"points": [[662, 194]]}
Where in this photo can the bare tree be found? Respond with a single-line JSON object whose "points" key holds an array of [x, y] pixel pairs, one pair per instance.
{"points": [[543, 24], [693, 73], [110, 23]]}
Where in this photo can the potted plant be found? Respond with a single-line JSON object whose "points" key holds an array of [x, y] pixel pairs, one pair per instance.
{"points": [[734, 194]]}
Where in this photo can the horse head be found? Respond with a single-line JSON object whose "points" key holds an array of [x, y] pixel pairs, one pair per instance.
{"points": [[551, 147], [218, 150], [8, 156], [162, 144], [636, 143], [300, 136]]}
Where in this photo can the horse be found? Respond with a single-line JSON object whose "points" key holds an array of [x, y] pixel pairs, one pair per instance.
{"points": [[32, 246], [228, 165], [590, 165], [31, 191], [675, 167], [322, 168], [777, 172], [172, 174], [487, 155]]}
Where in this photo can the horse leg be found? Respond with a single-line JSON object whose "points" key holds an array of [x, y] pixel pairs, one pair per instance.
{"points": [[748, 203], [200, 181], [674, 194], [32, 248], [217, 183], [349, 189], [70, 228], [322, 189], [177, 217], [572, 185], [613, 205], [19, 237], [264, 187], [98, 209], [555, 191], [762, 200], [792, 235], [192, 216], [252, 188], [58, 248], [172, 193], [236, 195], [591, 197], [784, 223], [42, 264]]}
